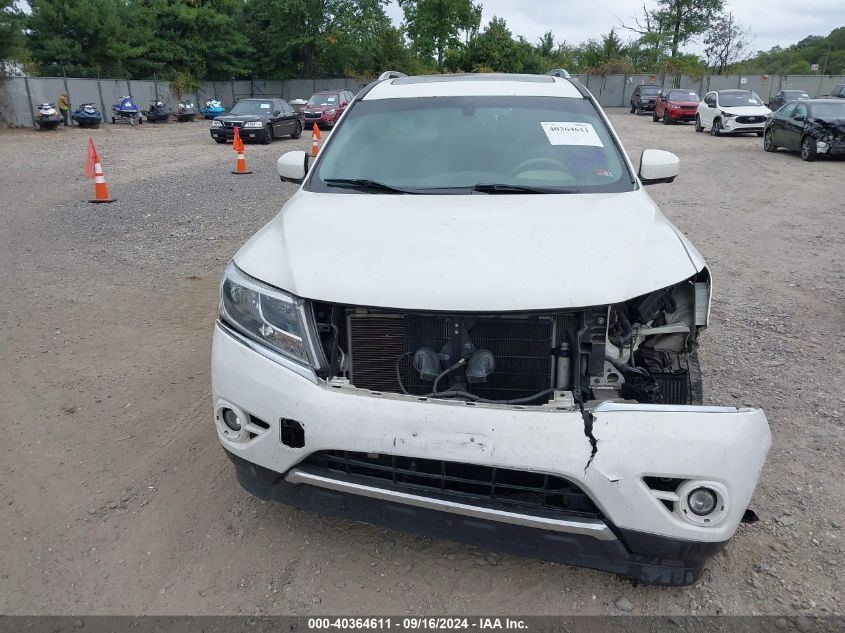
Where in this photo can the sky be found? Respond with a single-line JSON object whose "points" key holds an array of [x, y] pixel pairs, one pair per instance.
{"points": [[772, 22]]}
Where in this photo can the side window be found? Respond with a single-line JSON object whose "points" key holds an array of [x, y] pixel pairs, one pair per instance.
{"points": [[800, 112], [787, 110]]}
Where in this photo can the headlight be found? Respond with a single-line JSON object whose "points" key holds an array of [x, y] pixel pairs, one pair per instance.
{"points": [[271, 317], [727, 114], [253, 124], [331, 111], [216, 123]]}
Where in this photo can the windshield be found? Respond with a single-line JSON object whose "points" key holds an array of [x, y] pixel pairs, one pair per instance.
{"points": [[649, 91], [324, 99], [832, 110], [683, 95], [736, 99], [454, 144], [252, 107]]}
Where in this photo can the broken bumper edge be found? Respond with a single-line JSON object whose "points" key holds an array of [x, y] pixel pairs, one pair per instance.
{"points": [[642, 557]]}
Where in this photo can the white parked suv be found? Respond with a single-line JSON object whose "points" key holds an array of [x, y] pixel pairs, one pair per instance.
{"points": [[471, 321], [731, 112]]}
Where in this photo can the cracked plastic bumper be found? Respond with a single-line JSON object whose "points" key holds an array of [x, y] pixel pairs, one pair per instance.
{"points": [[724, 445]]}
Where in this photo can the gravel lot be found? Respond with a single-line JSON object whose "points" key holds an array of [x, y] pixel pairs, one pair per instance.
{"points": [[117, 499]]}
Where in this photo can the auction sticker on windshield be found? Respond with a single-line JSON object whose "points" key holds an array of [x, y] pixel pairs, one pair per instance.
{"points": [[571, 133]]}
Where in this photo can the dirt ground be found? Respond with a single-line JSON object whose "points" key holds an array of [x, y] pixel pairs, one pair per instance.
{"points": [[115, 497]]}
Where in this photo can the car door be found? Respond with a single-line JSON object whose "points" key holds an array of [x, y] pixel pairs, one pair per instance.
{"points": [[659, 104], [281, 125], [794, 127], [707, 110], [291, 116], [778, 124]]}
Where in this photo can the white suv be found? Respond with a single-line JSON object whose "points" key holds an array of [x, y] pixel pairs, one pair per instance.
{"points": [[731, 112], [472, 321]]}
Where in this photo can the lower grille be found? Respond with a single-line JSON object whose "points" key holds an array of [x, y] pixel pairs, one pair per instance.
{"points": [[381, 343], [673, 386], [501, 488]]}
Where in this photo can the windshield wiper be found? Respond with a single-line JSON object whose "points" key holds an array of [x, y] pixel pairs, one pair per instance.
{"points": [[362, 184], [499, 188]]}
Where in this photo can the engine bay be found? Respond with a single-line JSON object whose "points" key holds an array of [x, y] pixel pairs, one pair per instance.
{"points": [[643, 350]]}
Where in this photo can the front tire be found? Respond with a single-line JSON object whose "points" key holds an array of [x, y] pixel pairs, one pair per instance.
{"points": [[716, 130], [267, 138], [698, 126], [666, 120], [769, 142], [633, 108], [654, 115], [639, 108], [808, 149], [297, 130]]}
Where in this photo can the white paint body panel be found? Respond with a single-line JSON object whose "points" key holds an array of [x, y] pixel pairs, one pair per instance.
{"points": [[470, 252], [725, 445]]}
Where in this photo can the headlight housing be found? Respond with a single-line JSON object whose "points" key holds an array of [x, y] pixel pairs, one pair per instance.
{"points": [[253, 124], [269, 316], [727, 114], [331, 111], [216, 123]]}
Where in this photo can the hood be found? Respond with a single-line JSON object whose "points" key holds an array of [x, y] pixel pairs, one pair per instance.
{"points": [[475, 253], [684, 103], [320, 108], [837, 124], [747, 110], [239, 117]]}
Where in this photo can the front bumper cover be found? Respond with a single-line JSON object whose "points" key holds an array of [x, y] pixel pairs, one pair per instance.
{"points": [[726, 446], [246, 133]]}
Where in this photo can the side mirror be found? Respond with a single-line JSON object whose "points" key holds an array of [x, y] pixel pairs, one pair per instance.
{"points": [[292, 166], [657, 166], [277, 112]]}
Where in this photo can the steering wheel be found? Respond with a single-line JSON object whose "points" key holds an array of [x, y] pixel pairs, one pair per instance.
{"points": [[531, 162]]}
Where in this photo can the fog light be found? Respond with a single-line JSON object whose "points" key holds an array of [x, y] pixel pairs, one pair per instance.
{"points": [[231, 419], [702, 501]]}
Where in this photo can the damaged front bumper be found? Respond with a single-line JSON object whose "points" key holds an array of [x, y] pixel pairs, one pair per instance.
{"points": [[636, 463]]}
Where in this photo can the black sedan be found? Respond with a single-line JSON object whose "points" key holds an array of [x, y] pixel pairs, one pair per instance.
{"points": [[258, 120], [785, 96], [812, 127]]}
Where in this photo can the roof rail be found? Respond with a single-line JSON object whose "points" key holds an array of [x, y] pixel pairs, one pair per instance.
{"points": [[559, 72], [390, 74]]}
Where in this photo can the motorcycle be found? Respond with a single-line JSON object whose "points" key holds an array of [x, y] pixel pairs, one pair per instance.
{"points": [[185, 112], [48, 117], [158, 111], [212, 108], [87, 115], [125, 110]]}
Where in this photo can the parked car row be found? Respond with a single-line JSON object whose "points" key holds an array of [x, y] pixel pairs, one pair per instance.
{"points": [[262, 120], [810, 126]]}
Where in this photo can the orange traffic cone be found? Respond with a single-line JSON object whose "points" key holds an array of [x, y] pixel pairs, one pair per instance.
{"points": [[315, 136], [238, 146], [94, 170]]}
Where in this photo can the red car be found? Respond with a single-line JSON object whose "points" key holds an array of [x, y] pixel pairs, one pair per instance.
{"points": [[325, 107], [675, 105]]}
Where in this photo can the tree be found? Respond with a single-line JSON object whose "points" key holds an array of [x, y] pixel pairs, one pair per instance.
{"points": [[726, 41], [11, 30], [84, 37], [194, 38], [685, 19], [435, 25]]}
